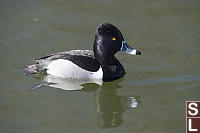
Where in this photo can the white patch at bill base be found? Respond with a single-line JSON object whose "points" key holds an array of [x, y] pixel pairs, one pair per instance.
{"points": [[133, 52]]}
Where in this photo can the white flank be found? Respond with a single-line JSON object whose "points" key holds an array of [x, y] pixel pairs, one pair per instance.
{"points": [[67, 69]]}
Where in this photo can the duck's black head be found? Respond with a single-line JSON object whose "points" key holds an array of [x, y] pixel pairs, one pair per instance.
{"points": [[108, 41]]}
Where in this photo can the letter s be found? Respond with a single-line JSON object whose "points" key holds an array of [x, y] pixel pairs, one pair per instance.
{"points": [[193, 108]]}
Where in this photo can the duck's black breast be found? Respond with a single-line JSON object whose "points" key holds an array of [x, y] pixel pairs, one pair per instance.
{"points": [[82, 58], [113, 72]]}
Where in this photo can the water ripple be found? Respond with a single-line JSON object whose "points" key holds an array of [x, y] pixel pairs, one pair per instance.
{"points": [[182, 78]]}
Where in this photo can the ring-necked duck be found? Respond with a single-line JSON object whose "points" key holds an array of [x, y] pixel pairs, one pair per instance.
{"points": [[99, 63]]}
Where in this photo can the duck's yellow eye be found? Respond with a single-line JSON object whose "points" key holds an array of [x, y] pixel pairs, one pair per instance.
{"points": [[114, 38]]}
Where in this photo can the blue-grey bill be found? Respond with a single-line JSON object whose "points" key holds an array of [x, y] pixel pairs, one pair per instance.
{"points": [[127, 49]]}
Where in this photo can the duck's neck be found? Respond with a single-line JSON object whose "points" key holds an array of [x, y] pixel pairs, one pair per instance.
{"points": [[103, 57], [107, 60]]}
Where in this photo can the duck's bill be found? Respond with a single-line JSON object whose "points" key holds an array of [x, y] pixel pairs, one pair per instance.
{"points": [[127, 49]]}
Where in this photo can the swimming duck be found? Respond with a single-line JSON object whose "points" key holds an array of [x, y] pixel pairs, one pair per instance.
{"points": [[87, 64]]}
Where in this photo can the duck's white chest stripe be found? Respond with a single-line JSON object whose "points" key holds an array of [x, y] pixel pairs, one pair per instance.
{"points": [[67, 69]]}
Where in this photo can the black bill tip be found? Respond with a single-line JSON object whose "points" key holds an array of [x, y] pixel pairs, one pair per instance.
{"points": [[138, 52]]}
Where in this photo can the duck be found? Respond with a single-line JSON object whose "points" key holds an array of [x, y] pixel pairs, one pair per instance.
{"points": [[99, 63]]}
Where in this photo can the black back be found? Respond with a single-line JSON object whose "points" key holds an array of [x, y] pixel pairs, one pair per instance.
{"points": [[82, 58]]}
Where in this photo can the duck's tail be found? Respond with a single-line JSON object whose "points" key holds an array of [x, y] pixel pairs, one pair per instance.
{"points": [[34, 69]]}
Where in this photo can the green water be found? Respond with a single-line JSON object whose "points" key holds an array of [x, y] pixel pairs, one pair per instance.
{"points": [[149, 99]]}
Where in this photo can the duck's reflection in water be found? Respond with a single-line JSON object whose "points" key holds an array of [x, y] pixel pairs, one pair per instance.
{"points": [[69, 84], [109, 105]]}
